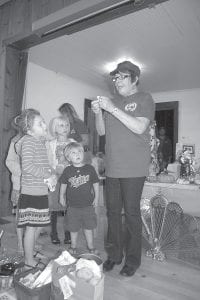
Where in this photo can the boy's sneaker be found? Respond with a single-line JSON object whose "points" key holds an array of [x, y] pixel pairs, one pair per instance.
{"points": [[38, 247], [93, 251], [55, 240], [44, 233]]}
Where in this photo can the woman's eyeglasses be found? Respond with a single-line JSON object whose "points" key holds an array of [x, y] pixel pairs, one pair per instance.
{"points": [[120, 77]]}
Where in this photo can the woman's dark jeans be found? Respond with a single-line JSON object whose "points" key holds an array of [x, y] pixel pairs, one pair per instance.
{"points": [[124, 240]]}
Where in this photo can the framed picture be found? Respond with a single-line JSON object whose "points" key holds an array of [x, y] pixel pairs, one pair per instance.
{"points": [[189, 148]]}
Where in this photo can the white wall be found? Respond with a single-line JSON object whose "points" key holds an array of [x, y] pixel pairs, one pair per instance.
{"points": [[46, 90], [189, 115]]}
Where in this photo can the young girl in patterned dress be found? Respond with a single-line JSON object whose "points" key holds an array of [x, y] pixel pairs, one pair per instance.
{"points": [[59, 128], [33, 201]]}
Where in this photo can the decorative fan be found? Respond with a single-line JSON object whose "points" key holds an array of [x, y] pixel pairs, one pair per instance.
{"points": [[168, 231]]}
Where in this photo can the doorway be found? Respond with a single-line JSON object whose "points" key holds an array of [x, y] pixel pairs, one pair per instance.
{"points": [[166, 116], [96, 142]]}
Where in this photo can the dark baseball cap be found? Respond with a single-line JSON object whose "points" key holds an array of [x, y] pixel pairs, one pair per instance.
{"points": [[126, 66]]}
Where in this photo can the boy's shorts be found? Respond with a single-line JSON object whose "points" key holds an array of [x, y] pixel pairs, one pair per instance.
{"points": [[78, 218]]}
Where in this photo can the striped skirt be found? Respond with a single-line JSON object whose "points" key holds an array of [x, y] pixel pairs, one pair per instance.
{"points": [[33, 211]]}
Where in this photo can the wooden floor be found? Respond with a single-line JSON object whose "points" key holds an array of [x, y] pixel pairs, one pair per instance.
{"points": [[168, 280]]}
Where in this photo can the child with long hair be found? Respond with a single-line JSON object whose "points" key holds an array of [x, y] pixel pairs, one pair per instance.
{"points": [[59, 128], [33, 212], [78, 129]]}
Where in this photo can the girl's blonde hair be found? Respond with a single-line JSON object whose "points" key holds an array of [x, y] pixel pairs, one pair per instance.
{"points": [[70, 147], [54, 122], [24, 121]]}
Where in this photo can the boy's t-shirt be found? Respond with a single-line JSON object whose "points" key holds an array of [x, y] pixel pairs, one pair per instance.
{"points": [[79, 180]]}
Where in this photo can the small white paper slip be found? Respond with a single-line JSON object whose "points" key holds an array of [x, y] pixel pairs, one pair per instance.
{"points": [[51, 183], [65, 283]]}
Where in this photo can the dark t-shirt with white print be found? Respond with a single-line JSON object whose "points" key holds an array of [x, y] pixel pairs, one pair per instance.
{"points": [[128, 153], [79, 180]]}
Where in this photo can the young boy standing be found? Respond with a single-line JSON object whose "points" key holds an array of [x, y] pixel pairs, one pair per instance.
{"points": [[80, 188]]}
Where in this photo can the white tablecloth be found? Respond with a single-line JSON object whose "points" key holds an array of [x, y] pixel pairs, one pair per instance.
{"points": [[187, 196]]}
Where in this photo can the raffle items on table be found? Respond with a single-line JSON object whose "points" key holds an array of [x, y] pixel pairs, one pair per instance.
{"points": [[154, 143], [185, 170], [189, 168]]}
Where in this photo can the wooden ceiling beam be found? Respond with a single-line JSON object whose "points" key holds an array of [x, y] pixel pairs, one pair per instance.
{"points": [[50, 32], [2, 2]]}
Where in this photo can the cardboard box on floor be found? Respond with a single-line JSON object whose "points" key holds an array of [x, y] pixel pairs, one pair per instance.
{"points": [[81, 289]]}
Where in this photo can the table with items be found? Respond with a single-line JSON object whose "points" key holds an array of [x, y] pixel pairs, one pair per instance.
{"points": [[186, 195]]}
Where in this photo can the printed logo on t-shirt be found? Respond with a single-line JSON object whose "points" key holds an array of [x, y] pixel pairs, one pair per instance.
{"points": [[131, 106], [73, 131], [80, 180]]}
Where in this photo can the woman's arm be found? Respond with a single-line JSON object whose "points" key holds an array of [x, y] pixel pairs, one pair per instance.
{"points": [[62, 198], [51, 153], [135, 124], [100, 123], [96, 193], [99, 120]]}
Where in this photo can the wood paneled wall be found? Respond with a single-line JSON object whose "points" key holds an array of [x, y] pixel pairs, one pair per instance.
{"points": [[14, 20], [42, 8]]}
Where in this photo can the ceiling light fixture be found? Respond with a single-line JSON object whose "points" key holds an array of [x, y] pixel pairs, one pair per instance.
{"points": [[108, 67]]}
